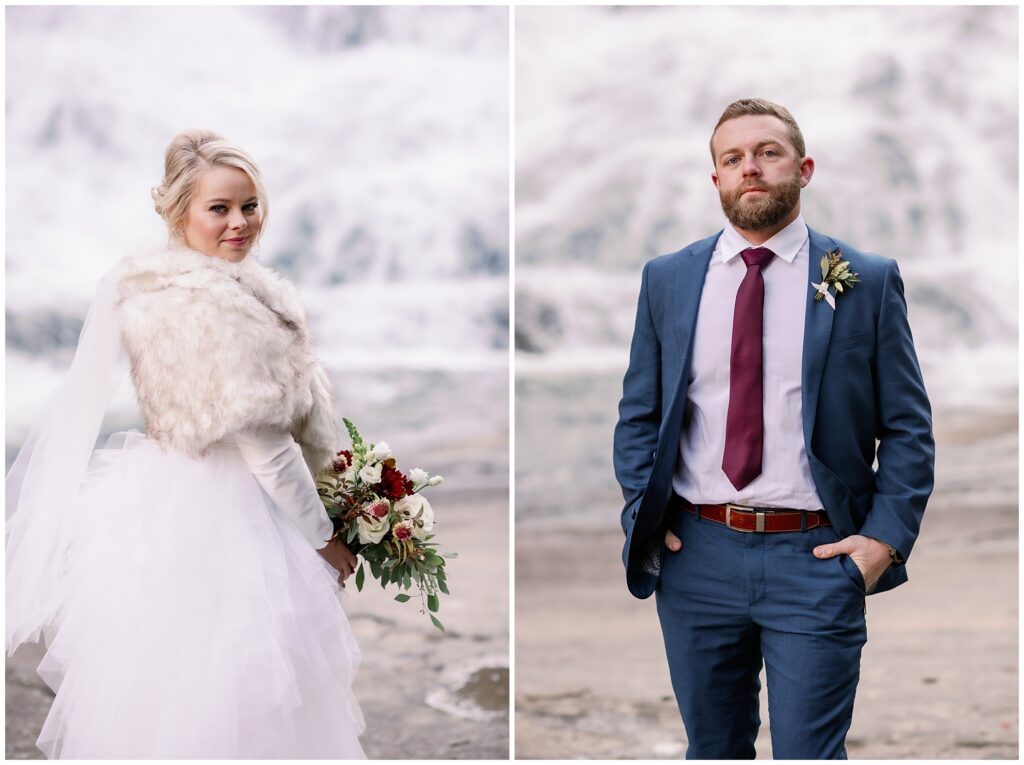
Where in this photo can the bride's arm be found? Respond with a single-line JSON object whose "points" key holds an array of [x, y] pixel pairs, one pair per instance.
{"points": [[275, 460]]}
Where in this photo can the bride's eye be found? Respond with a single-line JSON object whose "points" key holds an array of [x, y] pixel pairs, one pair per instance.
{"points": [[218, 208]]}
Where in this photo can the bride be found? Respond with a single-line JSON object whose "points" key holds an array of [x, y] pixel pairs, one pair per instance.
{"points": [[183, 579]]}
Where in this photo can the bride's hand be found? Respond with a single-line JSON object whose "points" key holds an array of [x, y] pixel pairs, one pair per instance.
{"points": [[340, 557]]}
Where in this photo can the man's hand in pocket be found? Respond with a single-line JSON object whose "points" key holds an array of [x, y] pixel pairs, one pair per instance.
{"points": [[672, 542]]}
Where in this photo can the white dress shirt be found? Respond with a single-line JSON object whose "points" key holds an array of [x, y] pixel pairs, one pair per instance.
{"points": [[277, 464], [785, 479]]}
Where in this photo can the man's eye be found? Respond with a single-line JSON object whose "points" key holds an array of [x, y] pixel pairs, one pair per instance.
{"points": [[769, 152], [732, 160]]}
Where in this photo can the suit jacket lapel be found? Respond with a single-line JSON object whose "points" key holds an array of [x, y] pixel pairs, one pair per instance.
{"points": [[682, 309], [686, 293], [681, 305], [817, 333]]}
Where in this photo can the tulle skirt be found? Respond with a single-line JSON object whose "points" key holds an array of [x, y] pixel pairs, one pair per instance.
{"points": [[198, 621]]}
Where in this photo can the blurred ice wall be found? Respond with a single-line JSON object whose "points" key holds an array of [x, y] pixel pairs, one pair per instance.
{"points": [[910, 113], [382, 134]]}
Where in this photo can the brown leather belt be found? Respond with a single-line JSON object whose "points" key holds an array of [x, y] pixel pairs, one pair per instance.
{"points": [[752, 519]]}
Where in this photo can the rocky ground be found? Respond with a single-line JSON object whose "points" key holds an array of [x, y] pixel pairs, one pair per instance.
{"points": [[939, 672]]}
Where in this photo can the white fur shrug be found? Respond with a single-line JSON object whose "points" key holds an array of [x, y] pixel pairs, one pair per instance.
{"points": [[216, 347]]}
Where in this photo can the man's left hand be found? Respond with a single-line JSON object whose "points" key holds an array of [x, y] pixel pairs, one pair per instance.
{"points": [[870, 556]]}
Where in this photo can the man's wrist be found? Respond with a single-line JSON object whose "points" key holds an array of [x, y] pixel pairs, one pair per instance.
{"points": [[894, 555]]}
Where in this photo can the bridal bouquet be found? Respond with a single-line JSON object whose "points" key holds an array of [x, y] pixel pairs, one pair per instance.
{"points": [[380, 514]]}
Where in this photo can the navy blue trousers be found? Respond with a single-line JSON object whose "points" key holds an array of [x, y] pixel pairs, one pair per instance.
{"points": [[730, 600]]}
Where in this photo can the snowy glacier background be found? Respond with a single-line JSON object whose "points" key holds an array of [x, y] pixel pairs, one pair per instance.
{"points": [[911, 115], [382, 133]]}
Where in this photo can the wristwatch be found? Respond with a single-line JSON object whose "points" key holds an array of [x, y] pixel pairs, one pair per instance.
{"points": [[893, 555]]}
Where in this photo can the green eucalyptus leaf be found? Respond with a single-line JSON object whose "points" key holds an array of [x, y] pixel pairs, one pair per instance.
{"points": [[433, 603], [403, 598], [360, 577], [437, 622]]}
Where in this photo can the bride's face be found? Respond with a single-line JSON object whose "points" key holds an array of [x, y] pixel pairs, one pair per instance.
{"points": [[224, 217]]}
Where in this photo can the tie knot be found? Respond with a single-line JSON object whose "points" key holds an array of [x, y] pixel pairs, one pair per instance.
{"points": [[757, 256]]}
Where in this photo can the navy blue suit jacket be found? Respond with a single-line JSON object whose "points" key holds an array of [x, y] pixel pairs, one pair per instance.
{"points": [[863, 397]]}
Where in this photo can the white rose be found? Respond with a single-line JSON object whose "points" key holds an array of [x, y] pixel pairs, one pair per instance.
{"points": [[418, 476], [370, 474], [379, 452], [413, 505], [371, 530]]}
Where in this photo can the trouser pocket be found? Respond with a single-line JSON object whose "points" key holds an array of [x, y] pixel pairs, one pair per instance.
{"points": [[852, 571]]}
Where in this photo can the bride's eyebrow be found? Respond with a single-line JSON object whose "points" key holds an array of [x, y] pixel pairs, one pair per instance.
{"points": [[221, 199]]}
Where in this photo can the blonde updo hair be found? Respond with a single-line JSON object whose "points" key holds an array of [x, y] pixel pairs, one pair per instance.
{"points": [[188, 155]]}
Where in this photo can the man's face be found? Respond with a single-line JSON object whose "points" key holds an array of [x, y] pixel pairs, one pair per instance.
{"points": [[757, 171]]}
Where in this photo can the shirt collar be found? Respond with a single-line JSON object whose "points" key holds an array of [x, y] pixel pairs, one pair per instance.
{"points": [[785, 244]]}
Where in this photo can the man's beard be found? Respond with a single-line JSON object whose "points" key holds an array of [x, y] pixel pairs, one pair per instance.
{"points": [[764, 210]]}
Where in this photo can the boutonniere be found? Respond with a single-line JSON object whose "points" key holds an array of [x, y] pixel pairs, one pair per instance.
{"points": [[835, 272]]}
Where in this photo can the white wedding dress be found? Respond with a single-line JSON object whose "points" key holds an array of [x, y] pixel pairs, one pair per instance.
{"points": [[193, 617]]}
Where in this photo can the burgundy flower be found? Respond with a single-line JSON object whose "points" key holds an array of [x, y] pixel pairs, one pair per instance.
{"points": [[342, 462], [393, 484], [402, 530]]}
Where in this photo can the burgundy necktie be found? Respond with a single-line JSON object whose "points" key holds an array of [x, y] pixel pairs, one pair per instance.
{"points": [[744, 425]]}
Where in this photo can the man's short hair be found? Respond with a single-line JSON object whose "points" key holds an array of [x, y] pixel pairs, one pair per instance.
{"points": [[747, 106]]}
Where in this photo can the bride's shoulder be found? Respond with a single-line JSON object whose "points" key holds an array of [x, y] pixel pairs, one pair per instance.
{"points": [[164, 295], [183, 287], [164, 268]]}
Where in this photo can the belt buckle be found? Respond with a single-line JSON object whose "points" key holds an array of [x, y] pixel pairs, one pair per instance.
{"points": [[758, 518]]}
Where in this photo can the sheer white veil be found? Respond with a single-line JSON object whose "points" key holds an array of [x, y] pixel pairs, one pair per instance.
{"points": [[44, 479]]}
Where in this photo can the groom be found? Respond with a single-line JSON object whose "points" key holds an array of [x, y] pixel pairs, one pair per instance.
{"points": [[762, 387]]}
